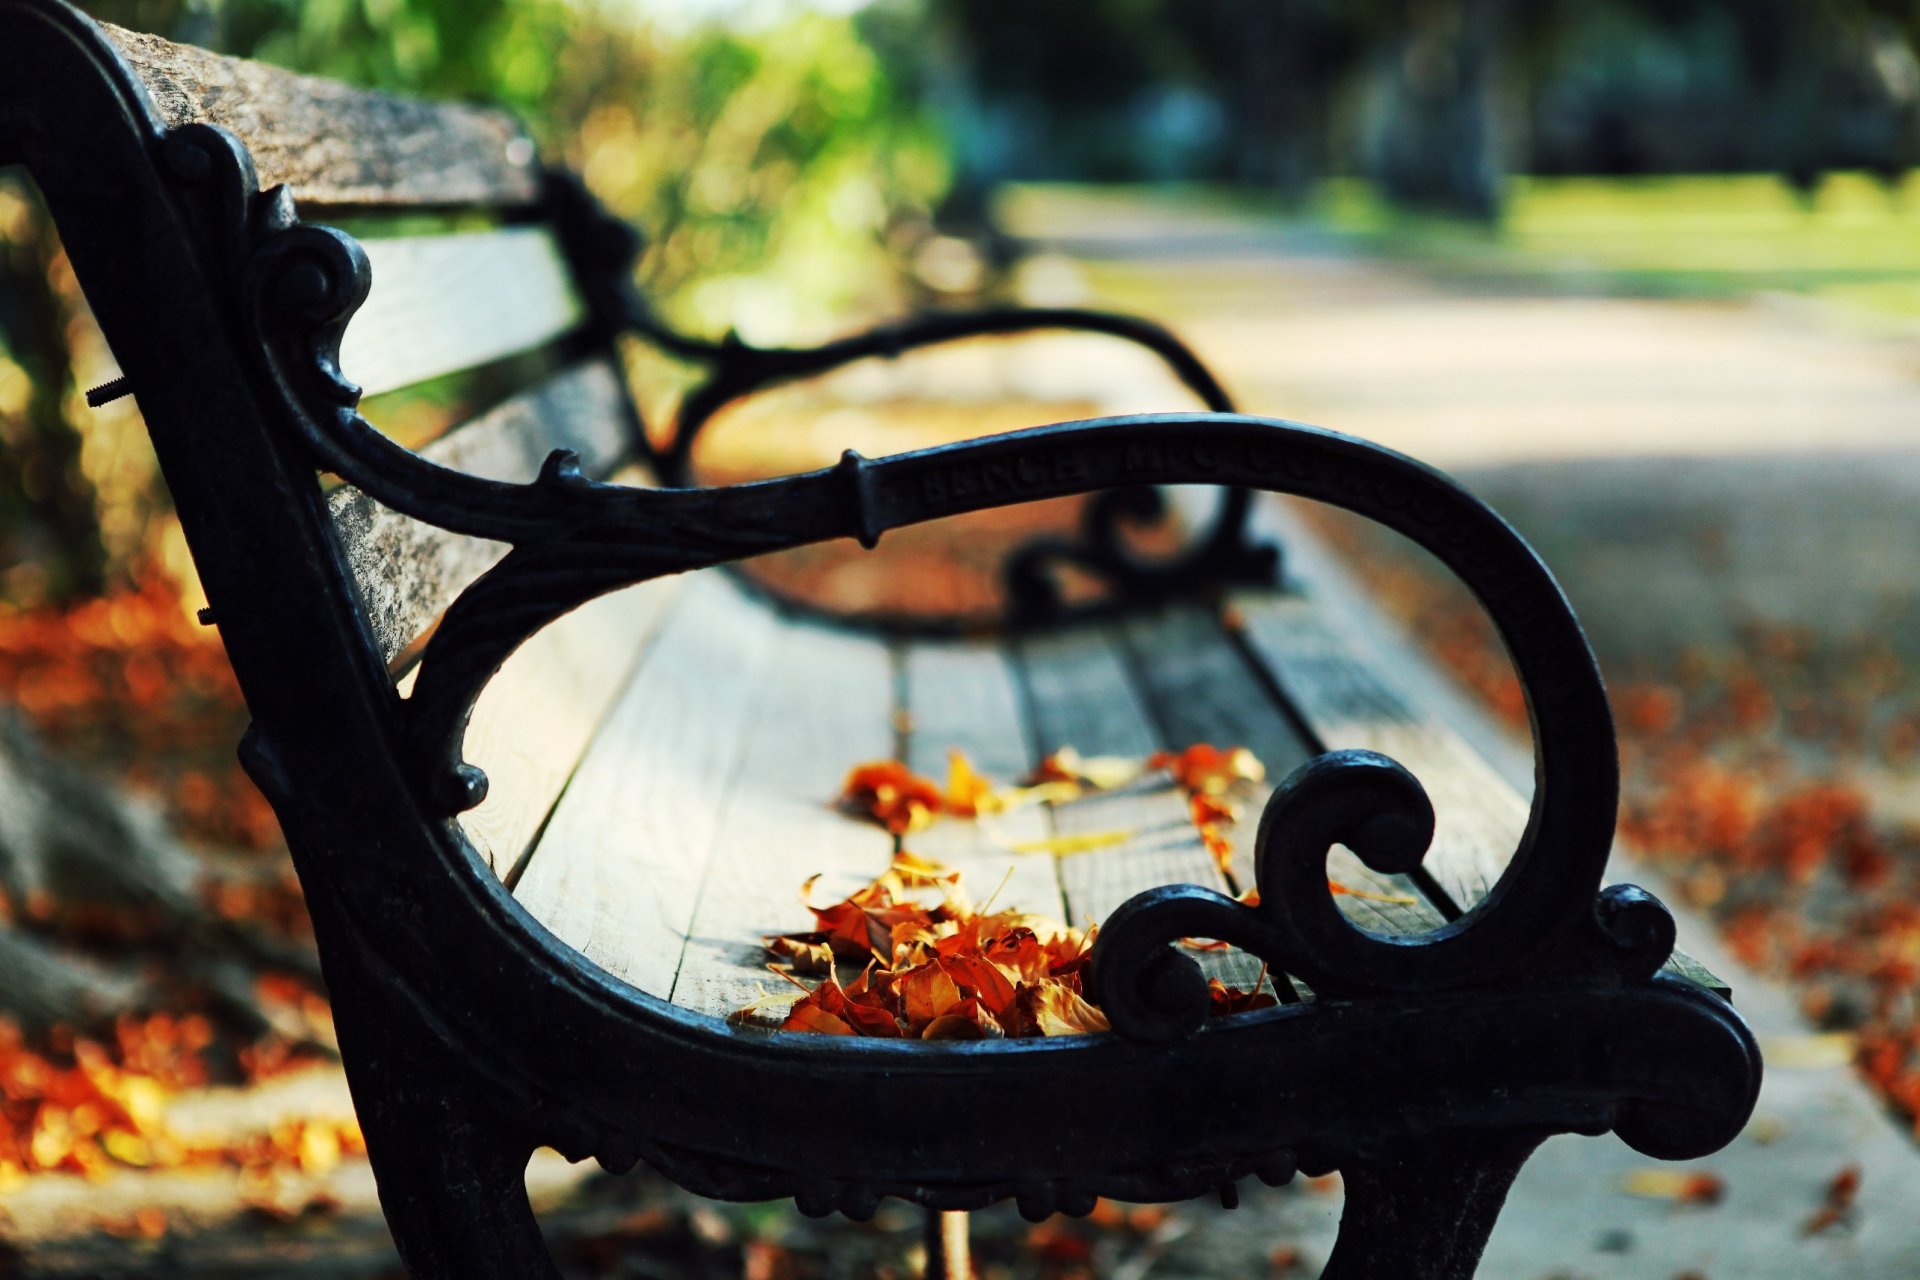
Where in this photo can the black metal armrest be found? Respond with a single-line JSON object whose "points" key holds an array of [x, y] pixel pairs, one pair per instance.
{"points": [[740, 370]]}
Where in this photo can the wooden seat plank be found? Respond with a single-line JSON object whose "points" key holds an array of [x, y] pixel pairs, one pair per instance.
{"points": [[334, 145], [535, 718], [410, 572], [1082, 695], [963, 695], [448, 302], [1201, 688], [826, 703], [1346, 700], [616, 871]]}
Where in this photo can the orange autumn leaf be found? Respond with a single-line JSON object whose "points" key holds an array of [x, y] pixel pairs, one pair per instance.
{"points": [[1223, 999], [1057, 1010], [865, 923], [1219, 847], [926, 992], [811, 1017], [915, 871], [892, 795], [804, 952], [1205, 810], [968, 1020], [829, 1007], [1067, 767], [1205, 769], [969, 794], [1837, 1205]]}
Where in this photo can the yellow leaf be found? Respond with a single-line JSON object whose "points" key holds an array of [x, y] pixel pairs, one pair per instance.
{"points": [[1062, 846]]}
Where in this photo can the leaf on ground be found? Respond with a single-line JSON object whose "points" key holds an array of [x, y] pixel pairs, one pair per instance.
{"points": [[1678, 1185], [1836, 1207]]}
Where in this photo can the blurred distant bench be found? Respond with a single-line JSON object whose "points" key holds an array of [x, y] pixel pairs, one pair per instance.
{"points": [[545, 952]]}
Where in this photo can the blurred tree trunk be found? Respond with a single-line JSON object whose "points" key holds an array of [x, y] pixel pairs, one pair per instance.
{"points": [[1438, 139], [50, 546], [103, 911]]}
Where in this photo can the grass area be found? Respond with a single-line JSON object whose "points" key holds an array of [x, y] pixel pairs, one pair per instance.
{"points": [[1854, 241]]}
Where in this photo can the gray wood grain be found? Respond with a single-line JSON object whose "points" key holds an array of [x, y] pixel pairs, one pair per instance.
{"points": [[535, 718], [450, 302], [826, 705], [1082, 695], [1200, 688], [616, 871], [963, 695], [1348, 698], [334, 145], [409, 572]]}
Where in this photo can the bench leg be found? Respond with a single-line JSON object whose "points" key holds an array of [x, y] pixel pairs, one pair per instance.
{"points": [[454, 1193], [452, 1177], [1426, 1214], [949, 1249]]}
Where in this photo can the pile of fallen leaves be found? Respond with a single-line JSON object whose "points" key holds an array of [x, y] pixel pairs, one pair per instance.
{"points": [[88, 1106], [932, 966], [131, 682], [939, 972], [131, 685]]}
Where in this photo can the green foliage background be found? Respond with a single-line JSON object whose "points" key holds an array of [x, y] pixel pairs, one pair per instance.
{"points": [[770, 164]]}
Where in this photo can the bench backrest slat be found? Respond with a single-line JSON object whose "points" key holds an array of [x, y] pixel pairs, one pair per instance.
{"points": [[444, 303], [334, 145], [410, 572]]}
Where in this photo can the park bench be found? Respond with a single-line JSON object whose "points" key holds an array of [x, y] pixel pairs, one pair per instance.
{"points": [[535, 917]]}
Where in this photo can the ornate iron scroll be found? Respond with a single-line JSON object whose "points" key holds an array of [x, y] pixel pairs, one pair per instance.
{"points": [[604, 249]]}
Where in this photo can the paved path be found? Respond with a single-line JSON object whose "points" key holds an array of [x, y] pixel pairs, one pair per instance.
{"points": [[1620, 432]]}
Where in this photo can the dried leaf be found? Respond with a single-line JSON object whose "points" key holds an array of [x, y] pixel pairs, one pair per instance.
{"points": [[1057, 1010], [1062, 846], [1677, 1185], [1223, 999], [1837, 1206], [892, 795], [1398, 899], [1096, 773], [811, 1017], [969, 794], [1204, 769], [806, 953]]}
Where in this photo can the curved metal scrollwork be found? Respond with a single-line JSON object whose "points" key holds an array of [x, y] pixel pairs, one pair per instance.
{"points": [[1366, 801], [574, 539], [604, 250]]}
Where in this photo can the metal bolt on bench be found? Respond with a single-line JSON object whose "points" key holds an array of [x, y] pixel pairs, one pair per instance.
{"points": [[545, 788]]}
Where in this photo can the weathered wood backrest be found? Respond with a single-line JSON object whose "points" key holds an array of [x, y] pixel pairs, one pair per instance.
{"points": [[502, 299], [442, 304]]}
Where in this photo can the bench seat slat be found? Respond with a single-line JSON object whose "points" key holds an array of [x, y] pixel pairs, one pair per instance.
{"points": [[445, 303], [1201, 689], [617, 869], [964, 695], [827, 703], [337, 146], [537, 715], [1082, 696], [410, 572], [1348, 700]]}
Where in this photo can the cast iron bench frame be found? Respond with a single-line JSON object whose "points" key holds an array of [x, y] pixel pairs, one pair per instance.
{"points": [[1426, 1069]]}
